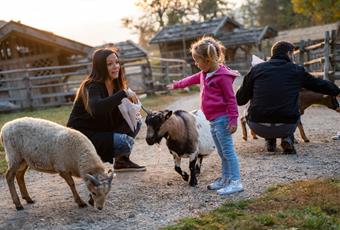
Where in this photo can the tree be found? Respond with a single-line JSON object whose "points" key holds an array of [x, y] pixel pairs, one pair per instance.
{"points": [[320, 11], [209, 9], [248, 13], [280, 15]]}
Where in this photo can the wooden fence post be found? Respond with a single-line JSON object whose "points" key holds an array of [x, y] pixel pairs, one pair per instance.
{"points": [[326, 55], [302, 53], [28, 87], [147, 78], [333, 56]]}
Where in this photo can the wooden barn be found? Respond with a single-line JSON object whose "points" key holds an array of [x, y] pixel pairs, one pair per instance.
{"points": [[174, 41], [28, 57]]}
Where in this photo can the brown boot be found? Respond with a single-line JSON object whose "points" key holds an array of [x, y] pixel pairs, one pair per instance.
{"points": [[124, 164]]}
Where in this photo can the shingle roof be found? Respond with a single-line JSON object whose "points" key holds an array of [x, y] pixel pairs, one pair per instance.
{"points": [[12, 26], [128, 50], [245, 36], [188, 31]]}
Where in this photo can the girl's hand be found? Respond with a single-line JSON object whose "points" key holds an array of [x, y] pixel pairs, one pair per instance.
{"points": [[232, 128], [170, 86], [132, 96]]}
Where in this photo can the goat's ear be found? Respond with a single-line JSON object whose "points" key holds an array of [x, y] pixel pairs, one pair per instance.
{"points": [[168, 114]]}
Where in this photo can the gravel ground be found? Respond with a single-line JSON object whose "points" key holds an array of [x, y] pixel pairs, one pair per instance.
{"points": [[157, 197]]}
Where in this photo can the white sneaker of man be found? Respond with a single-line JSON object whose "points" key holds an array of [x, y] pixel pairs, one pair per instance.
{"points": [[233, 187], [218, 183]]}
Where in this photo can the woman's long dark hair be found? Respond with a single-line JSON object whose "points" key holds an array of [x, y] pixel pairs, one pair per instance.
{"points": [[100, 74]]}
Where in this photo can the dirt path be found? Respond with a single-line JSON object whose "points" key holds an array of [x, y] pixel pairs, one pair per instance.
{"points": [[148, 200]]}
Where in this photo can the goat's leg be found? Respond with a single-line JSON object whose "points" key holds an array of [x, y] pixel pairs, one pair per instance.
{"points": [[192, 164], [302, 132], [178, 169], [244, 128], [253, 134], [69, 180], [10, 174], [199, 165], [21, 182]]}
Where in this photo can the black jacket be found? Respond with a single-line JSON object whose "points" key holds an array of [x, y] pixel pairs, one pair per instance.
{"points": [[273, 90], [106, 119]]}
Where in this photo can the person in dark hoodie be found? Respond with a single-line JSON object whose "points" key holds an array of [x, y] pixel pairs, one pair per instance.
{"points": [[218, 104], [273, 87], [95, 111]]}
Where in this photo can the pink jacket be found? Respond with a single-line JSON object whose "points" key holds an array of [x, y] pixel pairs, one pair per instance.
{"points": [[217, 95]]}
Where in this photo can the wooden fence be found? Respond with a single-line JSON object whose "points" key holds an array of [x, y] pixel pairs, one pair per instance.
{"points": [[22, 88], [321, 59]]}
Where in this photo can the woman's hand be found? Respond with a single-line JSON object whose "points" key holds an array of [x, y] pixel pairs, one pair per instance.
{"points": [[131, 95], [232, 128]]}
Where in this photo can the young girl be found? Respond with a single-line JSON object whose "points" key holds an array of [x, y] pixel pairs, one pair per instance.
{"points": [[218, 103]]}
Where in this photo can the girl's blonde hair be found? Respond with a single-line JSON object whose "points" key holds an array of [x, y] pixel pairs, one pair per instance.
{"points": [[208, 48]]}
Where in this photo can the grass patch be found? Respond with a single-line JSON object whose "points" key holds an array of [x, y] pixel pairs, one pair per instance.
{"points": [[60, 114], [311, 204]]}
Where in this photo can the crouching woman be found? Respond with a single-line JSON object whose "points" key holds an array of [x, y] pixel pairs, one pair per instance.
{"points": [[95, 111]]}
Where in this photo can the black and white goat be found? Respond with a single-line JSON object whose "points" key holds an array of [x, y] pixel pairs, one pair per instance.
{"points": [[187, 135]]}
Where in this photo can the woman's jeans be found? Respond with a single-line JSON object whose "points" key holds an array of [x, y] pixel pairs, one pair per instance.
{"points": [[225, 148], [123, 143]]}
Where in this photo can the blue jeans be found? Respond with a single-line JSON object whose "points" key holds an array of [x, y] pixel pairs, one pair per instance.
{"points": [[225, 148], [123, 143]]}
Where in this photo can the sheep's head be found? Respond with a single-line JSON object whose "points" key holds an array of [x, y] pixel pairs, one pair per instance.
{"points": [[154, 121], [99, 186]]}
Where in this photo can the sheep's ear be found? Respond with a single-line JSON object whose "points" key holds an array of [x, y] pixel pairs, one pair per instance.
{"points": [[92, 179], [169, 113]]}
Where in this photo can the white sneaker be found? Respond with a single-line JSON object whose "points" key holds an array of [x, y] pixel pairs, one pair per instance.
{"points": [[232, 187], [218, 183]]}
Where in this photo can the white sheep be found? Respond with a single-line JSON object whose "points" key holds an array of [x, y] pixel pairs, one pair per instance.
{"points": [[49, 147], [187, 135]]}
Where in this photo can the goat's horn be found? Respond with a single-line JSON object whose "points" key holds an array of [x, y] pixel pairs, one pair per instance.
{"points": [[148, 112], [93, 179]]}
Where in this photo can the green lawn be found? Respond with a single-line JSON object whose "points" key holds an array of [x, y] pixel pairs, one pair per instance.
{"points": [[311, 204]]}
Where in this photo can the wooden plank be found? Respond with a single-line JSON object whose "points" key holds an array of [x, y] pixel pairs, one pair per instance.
{"points": [[315, 46], [53, 95]]}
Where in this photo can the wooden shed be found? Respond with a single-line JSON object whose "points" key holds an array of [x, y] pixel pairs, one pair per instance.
{"points": [[174, 41], [22, 46], [28, 57]]}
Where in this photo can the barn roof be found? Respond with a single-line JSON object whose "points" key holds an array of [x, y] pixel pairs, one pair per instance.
{"points": [[128, 50], [190, 31], [312, 33], [240, 36], [6, 28]]}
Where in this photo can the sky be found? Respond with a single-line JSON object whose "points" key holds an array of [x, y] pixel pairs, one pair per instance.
{"points": [[92, 22]]}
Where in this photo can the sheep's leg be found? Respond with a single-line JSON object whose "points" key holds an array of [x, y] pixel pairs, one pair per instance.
{"points": [[69, 180], [302, 132], [21, 182], [10, 174], [192, 164], [178, 169], [244, 129], [199, 165]]}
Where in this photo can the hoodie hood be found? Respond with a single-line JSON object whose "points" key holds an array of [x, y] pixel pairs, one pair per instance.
{"points": [[225, 70]]}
